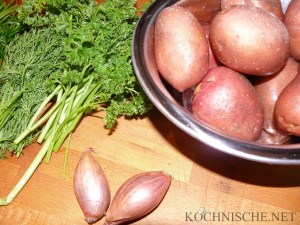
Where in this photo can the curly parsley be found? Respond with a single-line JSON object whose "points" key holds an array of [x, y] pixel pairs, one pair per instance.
{"points": [[75, 55]]}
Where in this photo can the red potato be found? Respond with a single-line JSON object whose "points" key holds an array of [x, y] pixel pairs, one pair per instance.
{"points": [[212, 59], [203, 10], [272, 6], [287, 108], [250, 40], [269, 88], [292, 22], [227, 3], [227, 101], [181, 48]]}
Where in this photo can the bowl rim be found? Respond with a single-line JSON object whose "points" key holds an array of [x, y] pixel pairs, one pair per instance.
{"points": [[272, 154]]}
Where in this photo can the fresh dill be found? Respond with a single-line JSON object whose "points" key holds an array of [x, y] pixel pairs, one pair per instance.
{"points": [[74, 56]]}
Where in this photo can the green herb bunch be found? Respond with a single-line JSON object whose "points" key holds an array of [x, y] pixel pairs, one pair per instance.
{"points": [[9, 26], [71, 58], [24, 77], [75, 55]]}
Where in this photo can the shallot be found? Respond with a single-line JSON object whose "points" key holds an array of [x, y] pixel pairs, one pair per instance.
{"points": [[91, 187], [137, 197]]}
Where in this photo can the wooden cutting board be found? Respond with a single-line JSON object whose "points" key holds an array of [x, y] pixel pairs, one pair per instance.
{"points": [[203, 178]]}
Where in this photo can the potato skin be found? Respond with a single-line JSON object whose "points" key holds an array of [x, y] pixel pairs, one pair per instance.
{"points": [[203, 10], [250, 40], [269, 89], [212, 59], [227, 101], [272, 6], [292, 22], [287, 108], [181, 48]]}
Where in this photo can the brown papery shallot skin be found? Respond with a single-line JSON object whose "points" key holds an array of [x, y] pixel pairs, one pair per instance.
{"points": [[91, 187], [137, 197]]}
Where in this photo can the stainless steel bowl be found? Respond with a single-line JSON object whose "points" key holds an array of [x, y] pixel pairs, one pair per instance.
{"points": [[169, 102]]}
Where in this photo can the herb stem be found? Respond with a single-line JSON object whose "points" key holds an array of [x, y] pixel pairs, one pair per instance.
{"points": [[38, 123], [69, 103], [56, 124], [59, 139], [5, 115], [11, 101], [28, 173], [66, 155], [70, 122], [43, 105], [50, 121]]}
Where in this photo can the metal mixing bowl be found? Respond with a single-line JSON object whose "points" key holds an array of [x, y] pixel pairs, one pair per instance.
{"points": [[169, 102]]}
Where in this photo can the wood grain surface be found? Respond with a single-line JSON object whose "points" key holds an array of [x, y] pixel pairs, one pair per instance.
{"points": [[203, 178]]}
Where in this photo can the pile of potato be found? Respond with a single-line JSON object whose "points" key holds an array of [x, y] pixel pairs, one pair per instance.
{"points": [[243, 65]]}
